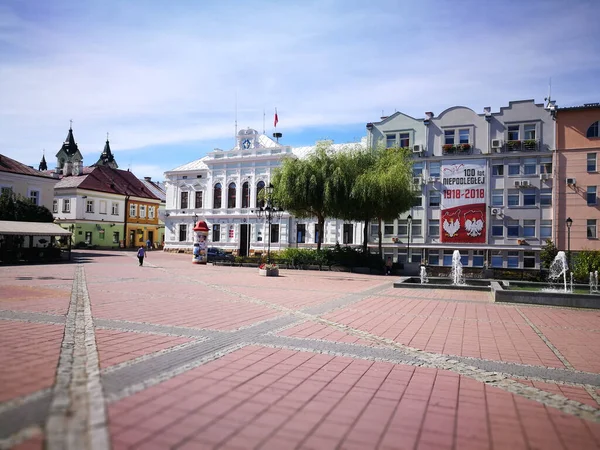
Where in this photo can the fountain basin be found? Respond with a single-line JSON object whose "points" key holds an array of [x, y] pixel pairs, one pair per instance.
{"points": [[516, 292], [476, 284]]}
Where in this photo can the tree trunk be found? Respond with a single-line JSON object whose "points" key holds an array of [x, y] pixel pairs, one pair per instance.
{"points": [[379, 235], [320, 227], [366, 236]]}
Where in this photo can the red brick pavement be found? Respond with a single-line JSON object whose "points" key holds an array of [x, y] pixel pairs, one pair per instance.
{"points": [[571, 392]]}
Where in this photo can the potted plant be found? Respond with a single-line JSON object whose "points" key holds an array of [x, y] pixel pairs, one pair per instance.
{"points": [[465, 147], [530, 144], [395, 240], [268, 270], [513, 145], [448, 148]]}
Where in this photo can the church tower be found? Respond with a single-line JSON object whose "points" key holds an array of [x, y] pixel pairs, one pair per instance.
{"points": [[68, 159], [106, 158], [43, 165]]}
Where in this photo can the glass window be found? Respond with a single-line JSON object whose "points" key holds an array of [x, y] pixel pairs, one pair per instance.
{"points": [[34, 197], [198, 200], [66, 205], [184, 200], [591, 162], [514, 169], [301, 233], [274, 235], [404, 139], [132, 210], [546, 197], [348, 236], [592, 199], [478, 258], [449, 137], [546, 165], [529, 228], [529, 166], [216, 232], [529, 260], [497, 259], [151, 212], [513, 197], [401, 256], [102, 206], [143, 211], [246, 195], [115, 209], [529, 131], [448, 257], [512, 260], [512, 228], [416, 228], [388, 228], [374, 229], [402, 227], [498, 170], [217, 192], [115, 237], [231, 192], [591, 229], [464, 259], [390, 140], [528, 197], [592, 130], [497, 228], [433, 258], [4, 190], [182, 233], [316, 234], [417, 201], [417, 169], [259, 188], [546, 229], [497, 197], [434, 227], [434, 198], [463, 136], [434, 169], [415, 256], [513, 133], [54, 206]]}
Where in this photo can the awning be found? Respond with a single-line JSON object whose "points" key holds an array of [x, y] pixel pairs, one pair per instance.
{"points": [[32, 228]]}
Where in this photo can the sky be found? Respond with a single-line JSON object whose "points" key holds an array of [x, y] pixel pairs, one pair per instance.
{"points": [[165, 79]]}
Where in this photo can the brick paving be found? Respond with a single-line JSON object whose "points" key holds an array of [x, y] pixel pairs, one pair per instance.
{"points": [[218, 357]]}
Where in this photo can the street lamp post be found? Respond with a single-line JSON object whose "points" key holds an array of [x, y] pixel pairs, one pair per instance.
{"points": [[569, 223], [409, 220], [269, 211]]}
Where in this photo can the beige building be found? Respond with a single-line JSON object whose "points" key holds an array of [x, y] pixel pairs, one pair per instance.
{"points": [[26, 182]]}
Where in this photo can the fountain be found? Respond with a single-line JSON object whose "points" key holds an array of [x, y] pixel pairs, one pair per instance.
{"points": [[457, 269], [594, 282], [558, 268], [424, 278]]}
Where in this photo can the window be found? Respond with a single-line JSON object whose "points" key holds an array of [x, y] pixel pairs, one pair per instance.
{"points": [[513, 197], [216, 233], [260, 186], [316, 233], [198, 200], [402, 227], [546, 197], [529, 260], [546, 229], [143, 211], [591, 229], [592, 199], [512, 260], [528, 197], [512, 228], [463, 136], [498, 170], [497, 259], [434, 227], [66, 205], [89, 206], [348, 237], [529, 228], [434, 169], [478, 258], [529, 166], [88, 237], [34, 197], [433, 258], [246, 195], [115, 209], [132, 210], [54, 206], [182, 232], [374, 229], [513, 133], [151, 212], [184, 200], [434, 198], [102, 206], [404, 139], [591, 162], [390, 140], [416, 228], [497, 197], [5, 190], [417, 201], [231, 192], [592, 131], [301, 233], [464, 259], [417, 169], [449, 137], [514, 169], [447, 261], [529, 131], [401, 256], [388, 228], [497, 228], [115, 237], [217, 191], [415, 256], [546, 165], [274, 233]]}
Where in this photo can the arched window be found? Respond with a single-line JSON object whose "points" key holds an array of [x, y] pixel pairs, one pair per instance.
{"points": [[246, 195], [592, 131], [217, 196], [231, 195], [260, 186]]}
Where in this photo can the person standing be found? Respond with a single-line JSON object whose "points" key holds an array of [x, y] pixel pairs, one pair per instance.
{"points": [[149, 244], [388, 265], [141, 254]]}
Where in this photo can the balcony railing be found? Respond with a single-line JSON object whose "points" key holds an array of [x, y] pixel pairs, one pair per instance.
{"points": [[527, 145], [457, 149]]}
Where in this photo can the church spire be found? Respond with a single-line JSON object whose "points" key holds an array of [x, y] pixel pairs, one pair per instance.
{"points": [[106, 157], [43, 165]]}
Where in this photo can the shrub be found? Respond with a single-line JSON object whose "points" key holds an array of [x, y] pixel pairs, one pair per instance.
{"points": [[585, 262]]}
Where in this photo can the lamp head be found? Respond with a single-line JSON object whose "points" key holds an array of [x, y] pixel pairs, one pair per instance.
{"points": [[269, 189], [409, 218], [569, 222]]}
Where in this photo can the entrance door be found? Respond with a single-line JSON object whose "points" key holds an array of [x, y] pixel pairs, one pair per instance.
{"points": [[244, 239], [132, 238], [151, 237]]}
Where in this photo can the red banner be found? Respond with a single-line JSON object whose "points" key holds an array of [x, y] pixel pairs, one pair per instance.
{"points": [[464, 224]]}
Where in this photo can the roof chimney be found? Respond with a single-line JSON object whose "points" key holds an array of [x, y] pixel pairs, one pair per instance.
{"points": [[429, 115], [148, 178]]}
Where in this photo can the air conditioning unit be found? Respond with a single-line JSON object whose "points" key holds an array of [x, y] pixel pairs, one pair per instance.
{"points": [[417, 148], [517, 183], [525, 183], [571, 181], [496, 144], [544, 176], [417, 180], [496, 211]]}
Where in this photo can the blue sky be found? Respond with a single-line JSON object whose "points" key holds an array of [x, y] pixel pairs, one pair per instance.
{"points": [[163, 77]]}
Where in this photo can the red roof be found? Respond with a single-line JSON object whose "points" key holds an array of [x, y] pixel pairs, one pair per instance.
{"points": [[10, 165]]}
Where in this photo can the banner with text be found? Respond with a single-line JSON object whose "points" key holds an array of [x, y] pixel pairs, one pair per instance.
{"points": [[463, 212]]}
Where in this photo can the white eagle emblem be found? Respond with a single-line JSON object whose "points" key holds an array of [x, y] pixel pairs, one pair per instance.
{"points": [[451, 223], [474, 223]]}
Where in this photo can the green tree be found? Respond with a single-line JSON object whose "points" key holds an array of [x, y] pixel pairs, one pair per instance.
{"points": [[586, 261], [548, 253], [17, 208]]}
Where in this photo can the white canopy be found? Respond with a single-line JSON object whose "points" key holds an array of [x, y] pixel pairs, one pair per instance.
{"points": [[32, 228]]}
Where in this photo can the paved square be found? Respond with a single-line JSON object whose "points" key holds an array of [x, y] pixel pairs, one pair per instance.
{"points": [[102, 353]]}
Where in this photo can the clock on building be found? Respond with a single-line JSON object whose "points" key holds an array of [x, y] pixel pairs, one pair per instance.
{"points": [[246, 144]]}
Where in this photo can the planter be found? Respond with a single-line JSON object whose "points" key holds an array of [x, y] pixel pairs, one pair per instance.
{"points": [[268, 272]]}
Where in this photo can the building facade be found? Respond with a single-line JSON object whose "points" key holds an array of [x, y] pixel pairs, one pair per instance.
{"points": [[577, 181], [26, 182]]}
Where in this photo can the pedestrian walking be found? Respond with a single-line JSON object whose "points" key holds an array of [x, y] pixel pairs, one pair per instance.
{"points": [[388, 265], [149, 244], [141, 255]]}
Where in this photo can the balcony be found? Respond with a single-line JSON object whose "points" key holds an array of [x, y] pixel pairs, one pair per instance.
{"points": [[528, 145], [457, 149]]}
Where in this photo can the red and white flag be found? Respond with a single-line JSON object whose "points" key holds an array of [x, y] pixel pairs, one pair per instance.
{"points": [[276, 119]]}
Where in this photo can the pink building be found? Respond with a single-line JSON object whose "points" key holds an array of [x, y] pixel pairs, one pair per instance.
{"points": [[578, 178]]}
